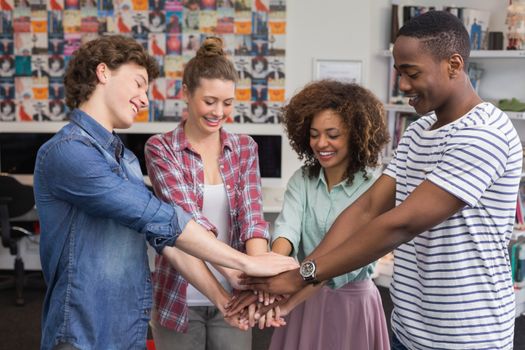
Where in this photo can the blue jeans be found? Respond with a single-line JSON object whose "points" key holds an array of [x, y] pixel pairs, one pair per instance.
{"points": [[395, 344]]}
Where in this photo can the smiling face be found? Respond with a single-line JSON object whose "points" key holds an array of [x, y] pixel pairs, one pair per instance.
{"points": [[210, 104], [423, 78], [329, 142], [125, 93]]}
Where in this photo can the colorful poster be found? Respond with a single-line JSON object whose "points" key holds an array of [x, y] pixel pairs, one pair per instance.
{"points": [[38, 38]]}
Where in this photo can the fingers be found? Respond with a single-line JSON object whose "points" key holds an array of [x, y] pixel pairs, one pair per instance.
{"points": [[239, 302], [251, 314], [265, 308]]}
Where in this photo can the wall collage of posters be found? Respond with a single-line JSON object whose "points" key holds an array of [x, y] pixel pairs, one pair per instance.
{"points": [[38, 37]]}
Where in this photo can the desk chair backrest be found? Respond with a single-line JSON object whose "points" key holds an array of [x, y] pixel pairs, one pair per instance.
{"points": [[15, 199], [19, 198]]}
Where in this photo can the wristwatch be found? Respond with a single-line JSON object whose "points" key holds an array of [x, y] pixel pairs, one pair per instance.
{"points": [[307, 271]]}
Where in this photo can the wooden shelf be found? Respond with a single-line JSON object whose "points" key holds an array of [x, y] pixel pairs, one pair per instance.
{"points": [[481, 53], [143, 128]]}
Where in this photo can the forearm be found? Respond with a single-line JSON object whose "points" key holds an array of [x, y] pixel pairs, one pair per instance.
{"points": [[282, 246], [367, 245], [201, 243], [303, 294], [256, 246], [401, 224], [197, 273]]}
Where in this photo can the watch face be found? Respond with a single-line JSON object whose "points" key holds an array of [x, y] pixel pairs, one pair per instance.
{"points": [[307, 269]]}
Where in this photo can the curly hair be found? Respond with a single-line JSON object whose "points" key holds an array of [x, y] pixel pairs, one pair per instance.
{"points": [[442, 34], [80, 79], [361, 112], [210, 62]]}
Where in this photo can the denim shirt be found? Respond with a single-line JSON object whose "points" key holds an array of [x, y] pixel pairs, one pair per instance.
{"points": [[95, 212]]}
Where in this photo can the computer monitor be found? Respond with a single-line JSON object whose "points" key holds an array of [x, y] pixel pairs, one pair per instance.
{"points": [[269, 149], [18, 151]]}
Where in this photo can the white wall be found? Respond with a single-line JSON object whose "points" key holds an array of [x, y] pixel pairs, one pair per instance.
{"points": [[334, 29]]}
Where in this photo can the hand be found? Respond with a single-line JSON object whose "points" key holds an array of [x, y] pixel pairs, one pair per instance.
{"points": [[237, 321], [269, 264], [234, 278], [287, 282], [239, 302], [281, 307], [234, 320], [264, 297], [272, 317]]}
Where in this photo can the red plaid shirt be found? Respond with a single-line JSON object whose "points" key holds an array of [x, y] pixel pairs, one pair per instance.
{"points": [[176, 172]]}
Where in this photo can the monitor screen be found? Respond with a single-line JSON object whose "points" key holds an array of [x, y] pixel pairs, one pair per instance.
{"points": [[270, 154], [18, 151]]}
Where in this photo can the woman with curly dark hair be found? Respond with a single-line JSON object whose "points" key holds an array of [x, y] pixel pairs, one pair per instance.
{"points": [[338, 129]]}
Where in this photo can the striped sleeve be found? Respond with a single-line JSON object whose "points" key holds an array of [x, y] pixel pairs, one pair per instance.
{"points": [[471, 162]]}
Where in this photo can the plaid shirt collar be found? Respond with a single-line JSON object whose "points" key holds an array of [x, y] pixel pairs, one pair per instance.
{"points": [[180, 142]]}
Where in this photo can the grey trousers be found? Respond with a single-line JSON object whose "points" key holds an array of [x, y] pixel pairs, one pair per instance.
{"points": [[207, 331]]}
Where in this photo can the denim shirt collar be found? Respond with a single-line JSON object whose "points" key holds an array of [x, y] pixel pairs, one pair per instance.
{"points": [[108, 140]]}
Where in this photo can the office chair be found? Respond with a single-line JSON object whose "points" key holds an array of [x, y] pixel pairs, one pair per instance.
{"points": [[16, 199]]}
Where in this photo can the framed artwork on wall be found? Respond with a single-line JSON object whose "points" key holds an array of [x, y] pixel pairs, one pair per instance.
{"points": [[344, 70]]}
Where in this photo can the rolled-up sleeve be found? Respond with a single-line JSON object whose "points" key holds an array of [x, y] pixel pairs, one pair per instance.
{"points": [[289, 222], [251, 215], [95, 186]]}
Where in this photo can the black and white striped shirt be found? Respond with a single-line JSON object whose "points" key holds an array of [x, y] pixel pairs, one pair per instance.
{"points": [[452, 285]]}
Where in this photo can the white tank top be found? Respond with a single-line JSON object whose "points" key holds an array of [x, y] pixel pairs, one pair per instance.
{"points": [[217, 210]]}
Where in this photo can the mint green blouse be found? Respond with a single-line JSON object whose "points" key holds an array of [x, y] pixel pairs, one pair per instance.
{"points": [[309, 210]]}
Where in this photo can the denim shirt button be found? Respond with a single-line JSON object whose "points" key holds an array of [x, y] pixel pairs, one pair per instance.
{"points": [[146, 312]]}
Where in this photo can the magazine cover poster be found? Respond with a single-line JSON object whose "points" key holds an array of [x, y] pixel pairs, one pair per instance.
{"points": [[72, 42], [156, 110], [6, 22], [23, 66], [7, 66], [174, 22], [57, 110], [174, 44], [157, 89], [25, 110], [173, 66], [241, 112], [157, 44], [173, 88], [259, 45], [173, 110], [7, 46], [7, 88], [56, 88], [55, 23], [7, 5], [225, 21], [7, 111], [173, 5]]}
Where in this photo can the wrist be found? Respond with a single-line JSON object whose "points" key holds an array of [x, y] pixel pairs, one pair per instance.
{"points": [[308, 271], [220, 299]]}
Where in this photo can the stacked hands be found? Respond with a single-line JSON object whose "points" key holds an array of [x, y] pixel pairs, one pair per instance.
{"points": [[248, 308], [262, 301]]}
